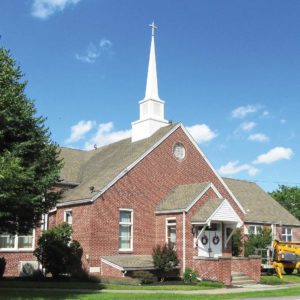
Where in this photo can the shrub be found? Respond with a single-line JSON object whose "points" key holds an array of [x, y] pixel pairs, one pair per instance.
{"points": [[144, 276], [58, 253], [236, 243], [255, 241], [2, 266], [190, 276], [164, 259]]}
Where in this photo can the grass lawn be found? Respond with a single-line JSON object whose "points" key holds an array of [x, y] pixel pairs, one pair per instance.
{"points": [[26, 284], [275, 280], [204, 285], [25, 294]]}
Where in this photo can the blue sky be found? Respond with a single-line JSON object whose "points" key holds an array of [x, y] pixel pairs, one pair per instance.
{"points": [[229, 70]]}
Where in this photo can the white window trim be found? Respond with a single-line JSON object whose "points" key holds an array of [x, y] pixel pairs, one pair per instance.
{"points": [[16, 244], [256, 226], [65, 215], [167, 225], [285, 234], [131, 224]]}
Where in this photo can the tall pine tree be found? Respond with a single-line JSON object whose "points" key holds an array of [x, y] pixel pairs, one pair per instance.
{"points": [[29, 162]]}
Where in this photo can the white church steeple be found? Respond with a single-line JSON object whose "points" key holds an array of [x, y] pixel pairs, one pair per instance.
{"points": [[151, 107]]}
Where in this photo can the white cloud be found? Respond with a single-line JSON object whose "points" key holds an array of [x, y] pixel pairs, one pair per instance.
{"points": [[201, 133], [105, 135], [94, 51], [44, 8], [265, 113], [241, 111], [79, 130], [248, 126], [258, 137], [233, 167], [277, 153]]}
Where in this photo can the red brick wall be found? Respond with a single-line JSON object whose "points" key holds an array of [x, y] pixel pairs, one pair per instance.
{"points": [[141, 189], [220, 269], [189, 237], [109, 271], [81, 225], [161, 231], [96, 226], [215, 269], [250, 266], [13, 258], [296, 234], [295, 231]]}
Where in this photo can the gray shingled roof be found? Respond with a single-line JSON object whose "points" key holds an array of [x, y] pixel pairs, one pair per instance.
{"points": [[260, 207], [181, 196], [206, 210], [99, 167], [131, 262]]}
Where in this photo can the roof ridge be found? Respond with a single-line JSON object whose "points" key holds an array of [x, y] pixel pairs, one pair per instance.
{"points": [[243, 180]]}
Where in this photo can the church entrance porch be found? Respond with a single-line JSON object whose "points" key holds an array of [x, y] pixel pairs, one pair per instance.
{"points": [[210, 240], [213, 225]]}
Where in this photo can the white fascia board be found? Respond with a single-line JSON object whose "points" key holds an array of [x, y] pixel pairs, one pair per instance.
{"points": [[213, 169], [127, 169], [209, 185], [52, 210], [112, 264], [171, 211], [270, 223], [74, 202]]}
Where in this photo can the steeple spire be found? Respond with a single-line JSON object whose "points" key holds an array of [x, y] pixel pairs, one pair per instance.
{"points": [[151, 107], [151, 86]]}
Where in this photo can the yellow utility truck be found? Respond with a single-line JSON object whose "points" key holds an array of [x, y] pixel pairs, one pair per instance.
{"points": [[286, 256]]}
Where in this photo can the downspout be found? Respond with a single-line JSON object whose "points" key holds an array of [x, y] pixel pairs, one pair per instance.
{"points": [[46, 222], [183, 242]]}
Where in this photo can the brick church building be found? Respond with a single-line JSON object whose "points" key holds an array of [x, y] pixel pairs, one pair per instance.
{"points": [[153, 188]]}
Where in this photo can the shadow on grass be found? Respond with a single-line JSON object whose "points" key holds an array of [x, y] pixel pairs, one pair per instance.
{"points": [[22, 294]]}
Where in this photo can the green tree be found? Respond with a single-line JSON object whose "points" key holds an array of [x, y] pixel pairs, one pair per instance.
{"points": [[57, 253], [237, 243], [288, 197], [29, 163], [165, 260], [258, 241]]}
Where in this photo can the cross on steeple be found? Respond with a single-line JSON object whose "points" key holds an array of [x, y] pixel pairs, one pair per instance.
{"points": [[152, 25]]}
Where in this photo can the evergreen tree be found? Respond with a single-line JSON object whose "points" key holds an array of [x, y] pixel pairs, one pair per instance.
{"points": [[29, 163]]}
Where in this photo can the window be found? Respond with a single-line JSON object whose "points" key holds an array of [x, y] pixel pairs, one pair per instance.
{"points": [[254, 229], [286, 234], [17, 242], [171, 232], [125, 228], [68, 217], [179, 151]]}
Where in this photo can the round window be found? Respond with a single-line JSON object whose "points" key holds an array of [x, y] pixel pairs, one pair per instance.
{"points": [[179, 151]]}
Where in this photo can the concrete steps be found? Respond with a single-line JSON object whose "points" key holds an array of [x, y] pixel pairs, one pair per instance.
{"points": [[241, 279]]}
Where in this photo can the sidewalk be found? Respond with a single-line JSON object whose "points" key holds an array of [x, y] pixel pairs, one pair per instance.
{"points": [[248, 288], [234, 290]]}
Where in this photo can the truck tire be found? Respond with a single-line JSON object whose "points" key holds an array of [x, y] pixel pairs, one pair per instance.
{"points": [[288, 271]]}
